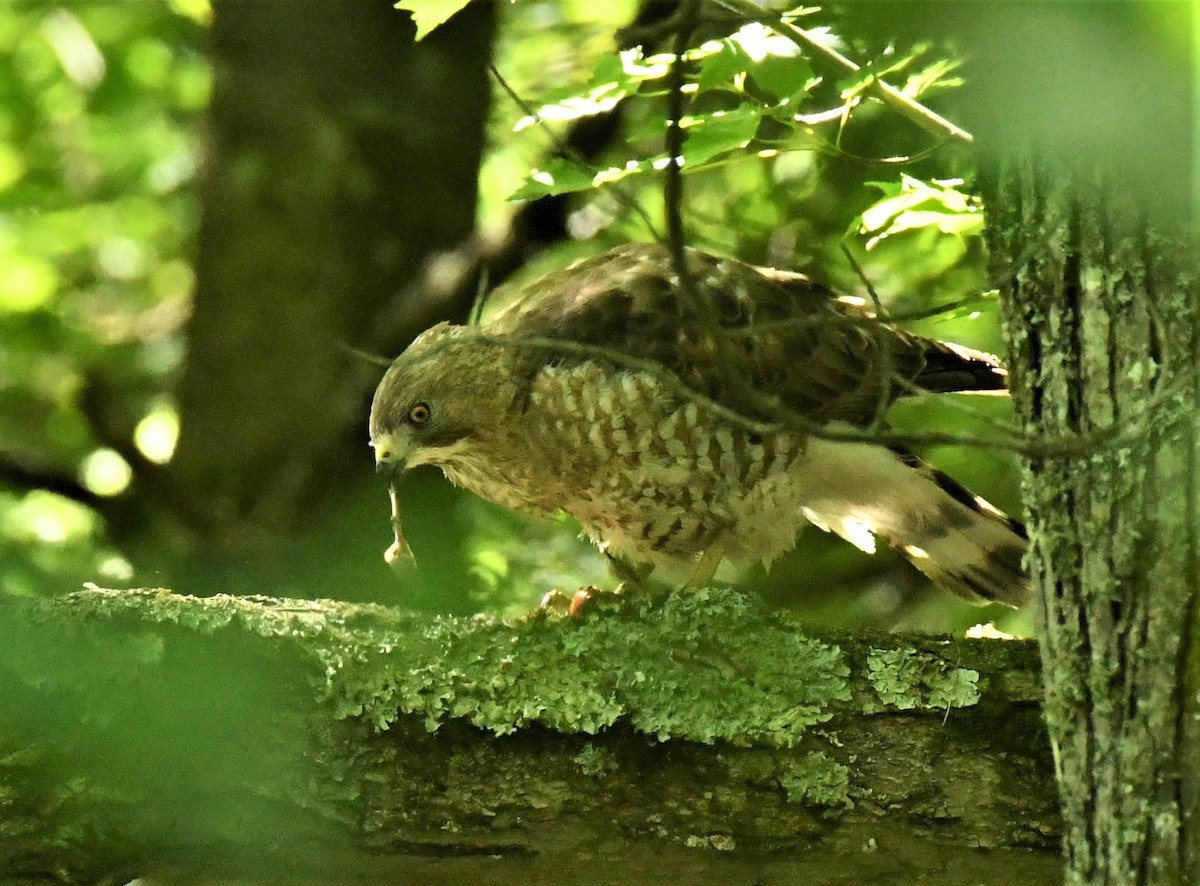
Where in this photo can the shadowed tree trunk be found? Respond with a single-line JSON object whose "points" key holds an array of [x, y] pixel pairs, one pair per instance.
{"points": [[1102, 325], [341, 153]]}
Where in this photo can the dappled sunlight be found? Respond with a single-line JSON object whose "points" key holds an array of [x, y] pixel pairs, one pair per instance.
{"points": [[105, 472], [157, 433], [48, 518], [99, 147]]}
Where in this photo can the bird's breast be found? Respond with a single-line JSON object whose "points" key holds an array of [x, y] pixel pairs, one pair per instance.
{"points": [[649, 472]]}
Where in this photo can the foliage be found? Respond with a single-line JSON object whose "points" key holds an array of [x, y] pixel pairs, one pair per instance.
{"points": [[787, 161], [98, 154], [428, 14]]}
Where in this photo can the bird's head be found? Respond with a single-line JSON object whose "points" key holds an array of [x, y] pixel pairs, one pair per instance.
{"points": [[435, 398]]}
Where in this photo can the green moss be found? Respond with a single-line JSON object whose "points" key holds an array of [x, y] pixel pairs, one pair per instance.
{"points": [[911, 679], [704, 666], [817, 780], [265, 616], [595, 761], [720, 842], [707, 666]]}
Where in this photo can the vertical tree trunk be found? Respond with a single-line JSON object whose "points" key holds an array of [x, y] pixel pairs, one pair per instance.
{"points": [[341, 153], [1101, 320], [1084, 116]]}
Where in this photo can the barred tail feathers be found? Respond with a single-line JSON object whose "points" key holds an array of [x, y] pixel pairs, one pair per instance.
{"points": [[861, 490]]}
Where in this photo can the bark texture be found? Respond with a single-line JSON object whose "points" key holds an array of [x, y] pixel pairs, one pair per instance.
{"points": [[1101, 319], [1084, 114], [145, 734]]}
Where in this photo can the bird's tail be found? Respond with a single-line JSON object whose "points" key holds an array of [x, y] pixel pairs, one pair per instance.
{"points": [[956, 538]]}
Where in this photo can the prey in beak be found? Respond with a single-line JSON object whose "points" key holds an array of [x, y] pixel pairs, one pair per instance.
{"points": [[398, 551], [389, 462]]}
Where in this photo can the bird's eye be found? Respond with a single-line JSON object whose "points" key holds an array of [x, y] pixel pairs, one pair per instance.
{"points": [[419, 414]]}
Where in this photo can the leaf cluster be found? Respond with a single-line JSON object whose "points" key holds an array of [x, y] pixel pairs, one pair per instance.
{"points": [[98, 156]]}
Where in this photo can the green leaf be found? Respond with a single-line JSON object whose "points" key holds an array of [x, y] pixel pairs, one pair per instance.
{"points": [[770, 59], [758, 42], [429, 14], [708, 138], [861, 80], [616, 77], [556, 176], [709, 135], [913, 204], [933, 75], [783, 78], [601, 98], [721, 67]]}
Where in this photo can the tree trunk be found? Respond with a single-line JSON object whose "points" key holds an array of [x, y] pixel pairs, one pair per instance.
{"points": [[1102, 327], [144, 734], [1084, 114], [341, 154]]}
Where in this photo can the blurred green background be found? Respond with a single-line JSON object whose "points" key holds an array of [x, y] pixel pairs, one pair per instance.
{"points": [[207, 211], [100, 141]]}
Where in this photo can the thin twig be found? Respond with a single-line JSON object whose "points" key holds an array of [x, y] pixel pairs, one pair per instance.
{"points": [[882, 342], [569, 153], [943, 308], [927, 119], [653, 368], [684, 21], [1087, 443], [361, 355]]}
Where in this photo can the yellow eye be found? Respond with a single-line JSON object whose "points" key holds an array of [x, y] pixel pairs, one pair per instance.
{"points": [[419, 414]]}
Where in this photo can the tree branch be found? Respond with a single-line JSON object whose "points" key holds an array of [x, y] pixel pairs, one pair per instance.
{"points": [[147, 734]]}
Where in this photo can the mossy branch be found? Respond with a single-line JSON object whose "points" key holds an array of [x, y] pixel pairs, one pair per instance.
{"points": [[144, 732]]}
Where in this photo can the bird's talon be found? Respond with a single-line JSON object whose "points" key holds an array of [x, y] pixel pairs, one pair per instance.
{"points": [[559, 602]]}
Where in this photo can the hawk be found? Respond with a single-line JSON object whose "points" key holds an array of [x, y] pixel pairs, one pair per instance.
{"points": [[684, 423]]}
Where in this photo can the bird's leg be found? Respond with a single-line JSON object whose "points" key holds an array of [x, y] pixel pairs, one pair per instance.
{"points": [[706, 566], [628, 572]]}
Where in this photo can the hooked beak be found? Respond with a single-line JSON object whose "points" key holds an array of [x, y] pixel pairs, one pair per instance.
{"points": [[389, 459]]}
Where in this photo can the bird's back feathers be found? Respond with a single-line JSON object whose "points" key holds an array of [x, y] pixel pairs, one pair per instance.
{"points": [[758, 331]]}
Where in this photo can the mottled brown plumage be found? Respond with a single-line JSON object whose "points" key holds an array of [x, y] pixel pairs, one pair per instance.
{"points": [[682, 433]]}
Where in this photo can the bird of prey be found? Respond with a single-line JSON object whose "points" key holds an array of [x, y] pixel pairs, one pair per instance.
{"points": [[687, 421]]}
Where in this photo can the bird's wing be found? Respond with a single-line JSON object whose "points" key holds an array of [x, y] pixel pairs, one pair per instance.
{"points": [[757, 334]]}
